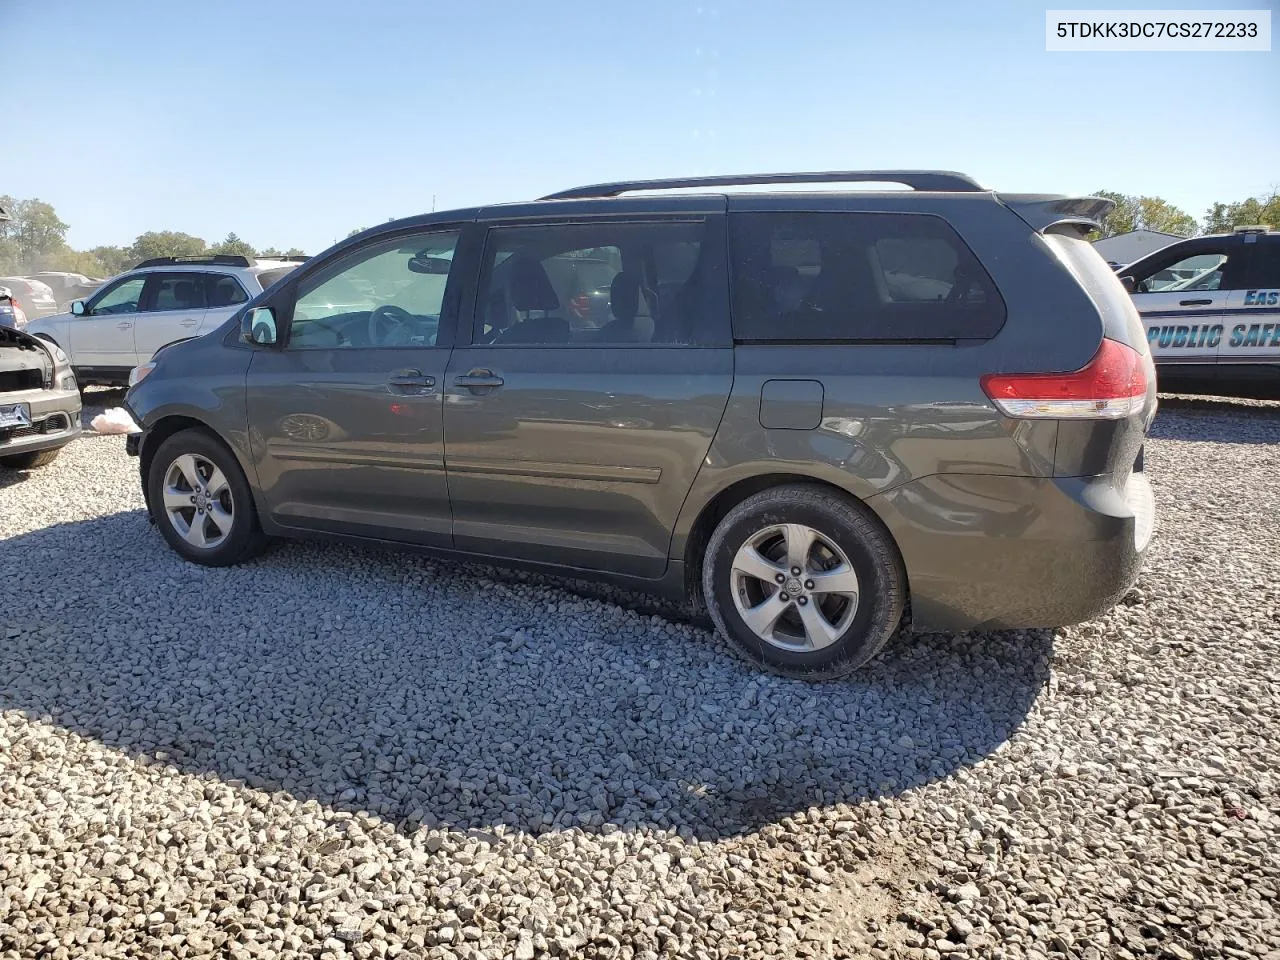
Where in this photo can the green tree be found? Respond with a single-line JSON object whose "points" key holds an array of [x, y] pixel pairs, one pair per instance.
{"points": [[233, 246], [166, 243], [1144, 213], [1224, 217], [33, 233], [294, 252], [112, 260]]}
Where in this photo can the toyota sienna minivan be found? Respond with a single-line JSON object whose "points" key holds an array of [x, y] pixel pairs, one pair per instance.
{"points": [[808, 411]]}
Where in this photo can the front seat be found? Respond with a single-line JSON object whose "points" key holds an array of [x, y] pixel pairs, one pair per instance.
{"points": [[624, 302], [531, 291]]}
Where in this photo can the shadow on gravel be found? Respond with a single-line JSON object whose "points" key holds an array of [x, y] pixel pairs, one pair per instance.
{"points": [[425, 692]]}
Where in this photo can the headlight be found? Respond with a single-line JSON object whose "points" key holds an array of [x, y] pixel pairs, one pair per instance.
{"points": [[141, 372]]}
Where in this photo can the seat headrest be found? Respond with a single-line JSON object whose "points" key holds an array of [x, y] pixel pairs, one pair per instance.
{"points": [[530, 287], [184, 291], [624, 297]]}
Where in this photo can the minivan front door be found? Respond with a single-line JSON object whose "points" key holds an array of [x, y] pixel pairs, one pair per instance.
{"points": [[346, 418], [600, 365]]}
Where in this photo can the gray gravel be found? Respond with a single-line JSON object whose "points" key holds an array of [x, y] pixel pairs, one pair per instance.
{"points": [[333, 753]]}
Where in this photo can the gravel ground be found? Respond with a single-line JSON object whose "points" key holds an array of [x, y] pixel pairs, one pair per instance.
{"points": [[331, 752]]}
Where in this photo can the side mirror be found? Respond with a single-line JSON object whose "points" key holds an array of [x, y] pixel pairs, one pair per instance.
{"points": [[77, 308], [1128, 283], [259, 326]]}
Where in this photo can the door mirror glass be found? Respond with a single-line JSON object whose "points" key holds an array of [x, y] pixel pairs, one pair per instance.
{"points": [[259, 326], [77, 308]]}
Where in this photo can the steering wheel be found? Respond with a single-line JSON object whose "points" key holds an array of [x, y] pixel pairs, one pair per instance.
{"points": [[392, 316]]}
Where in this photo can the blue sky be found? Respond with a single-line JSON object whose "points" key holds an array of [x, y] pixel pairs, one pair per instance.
{"points": [[293, 122]]}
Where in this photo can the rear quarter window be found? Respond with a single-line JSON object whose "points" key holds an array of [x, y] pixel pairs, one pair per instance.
{"points": [[860, 277]]}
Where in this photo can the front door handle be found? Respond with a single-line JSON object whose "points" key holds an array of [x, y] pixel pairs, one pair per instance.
{"points": [[124, 325], [479, 379], [406, 379], [1194, 303], [188, 323]]}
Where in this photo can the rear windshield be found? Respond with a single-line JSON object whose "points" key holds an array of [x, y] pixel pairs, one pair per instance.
{"points": [[268, 277], [1120, 320]]}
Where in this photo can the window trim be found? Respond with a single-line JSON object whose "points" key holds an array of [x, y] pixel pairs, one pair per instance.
{"points": [[860, 341], [700, 337], [286, 299]]}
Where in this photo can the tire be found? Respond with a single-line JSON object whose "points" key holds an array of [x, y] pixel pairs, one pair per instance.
{"points": [[830, 624], [29, 461], [220, 512]]}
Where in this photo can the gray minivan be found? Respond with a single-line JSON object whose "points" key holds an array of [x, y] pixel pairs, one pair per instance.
{"points": [[807, 410]]}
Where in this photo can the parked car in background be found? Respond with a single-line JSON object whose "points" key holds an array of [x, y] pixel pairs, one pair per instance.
{"points": [[67, 287], [11, 313], [160, 301], [1211, 308], [801, 409], [39, 400], [36, 298]]}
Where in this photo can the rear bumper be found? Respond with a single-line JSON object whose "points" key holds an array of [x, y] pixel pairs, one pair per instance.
{"points": [[988, 552], [55, 421]]}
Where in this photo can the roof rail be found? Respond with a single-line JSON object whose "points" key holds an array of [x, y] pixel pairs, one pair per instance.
{"points": [[943, 180], [1253, 228], [217, 259], [286, 257]]}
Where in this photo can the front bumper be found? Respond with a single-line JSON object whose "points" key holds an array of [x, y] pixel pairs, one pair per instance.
{"points": [[995, 552], [55, 421]]}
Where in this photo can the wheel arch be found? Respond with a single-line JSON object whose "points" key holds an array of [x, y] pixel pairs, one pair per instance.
{"points": [[162, 430], [718, 506]]}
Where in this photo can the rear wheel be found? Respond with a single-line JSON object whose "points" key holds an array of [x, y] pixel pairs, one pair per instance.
{"points": [[804, 582], [201, 500], [29, 461]]}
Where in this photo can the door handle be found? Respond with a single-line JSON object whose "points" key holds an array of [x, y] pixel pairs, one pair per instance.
{"points": [[411, 378], [124, 325], [187, 323], [1194, 303], [479, 379]]}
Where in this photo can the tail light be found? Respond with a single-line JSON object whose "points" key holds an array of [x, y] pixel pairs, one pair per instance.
{"points": [[1111, 386]]}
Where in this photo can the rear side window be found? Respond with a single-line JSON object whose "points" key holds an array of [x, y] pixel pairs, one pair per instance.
{"points": [[268, 277], [858, 277], [1262, 268], [177, 291], [598, 284]]}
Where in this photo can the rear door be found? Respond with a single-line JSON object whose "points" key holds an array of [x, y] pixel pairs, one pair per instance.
{"points": [[225, 293], [573, 429], [102, 337], [1249, 355], [173, 308]]}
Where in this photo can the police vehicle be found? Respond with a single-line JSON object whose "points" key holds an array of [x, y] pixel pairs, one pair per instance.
{"points": [[1211, 308]]}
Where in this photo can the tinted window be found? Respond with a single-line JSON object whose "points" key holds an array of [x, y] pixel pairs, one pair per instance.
{"points": [[389, 294], [268, 277], [857, 276], [123, 297], [225, 290], [602, 283], [177, 291], [1262, 268]]}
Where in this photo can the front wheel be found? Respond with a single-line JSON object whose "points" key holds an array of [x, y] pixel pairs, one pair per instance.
{"points": [[804, 582], [201, 500]]}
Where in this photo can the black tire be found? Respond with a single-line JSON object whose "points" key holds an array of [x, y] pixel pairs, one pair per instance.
{"points": [[245, 538], [29, 461], [847, 525]]}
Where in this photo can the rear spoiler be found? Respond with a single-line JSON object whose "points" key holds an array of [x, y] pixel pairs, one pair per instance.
{"points": [[1050, 213]]}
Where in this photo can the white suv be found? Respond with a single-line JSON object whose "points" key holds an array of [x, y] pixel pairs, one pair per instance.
{"points": [[155, 304]]}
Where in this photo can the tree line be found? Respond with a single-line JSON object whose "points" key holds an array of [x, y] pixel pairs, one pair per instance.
{"points": [[36, 239]]}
